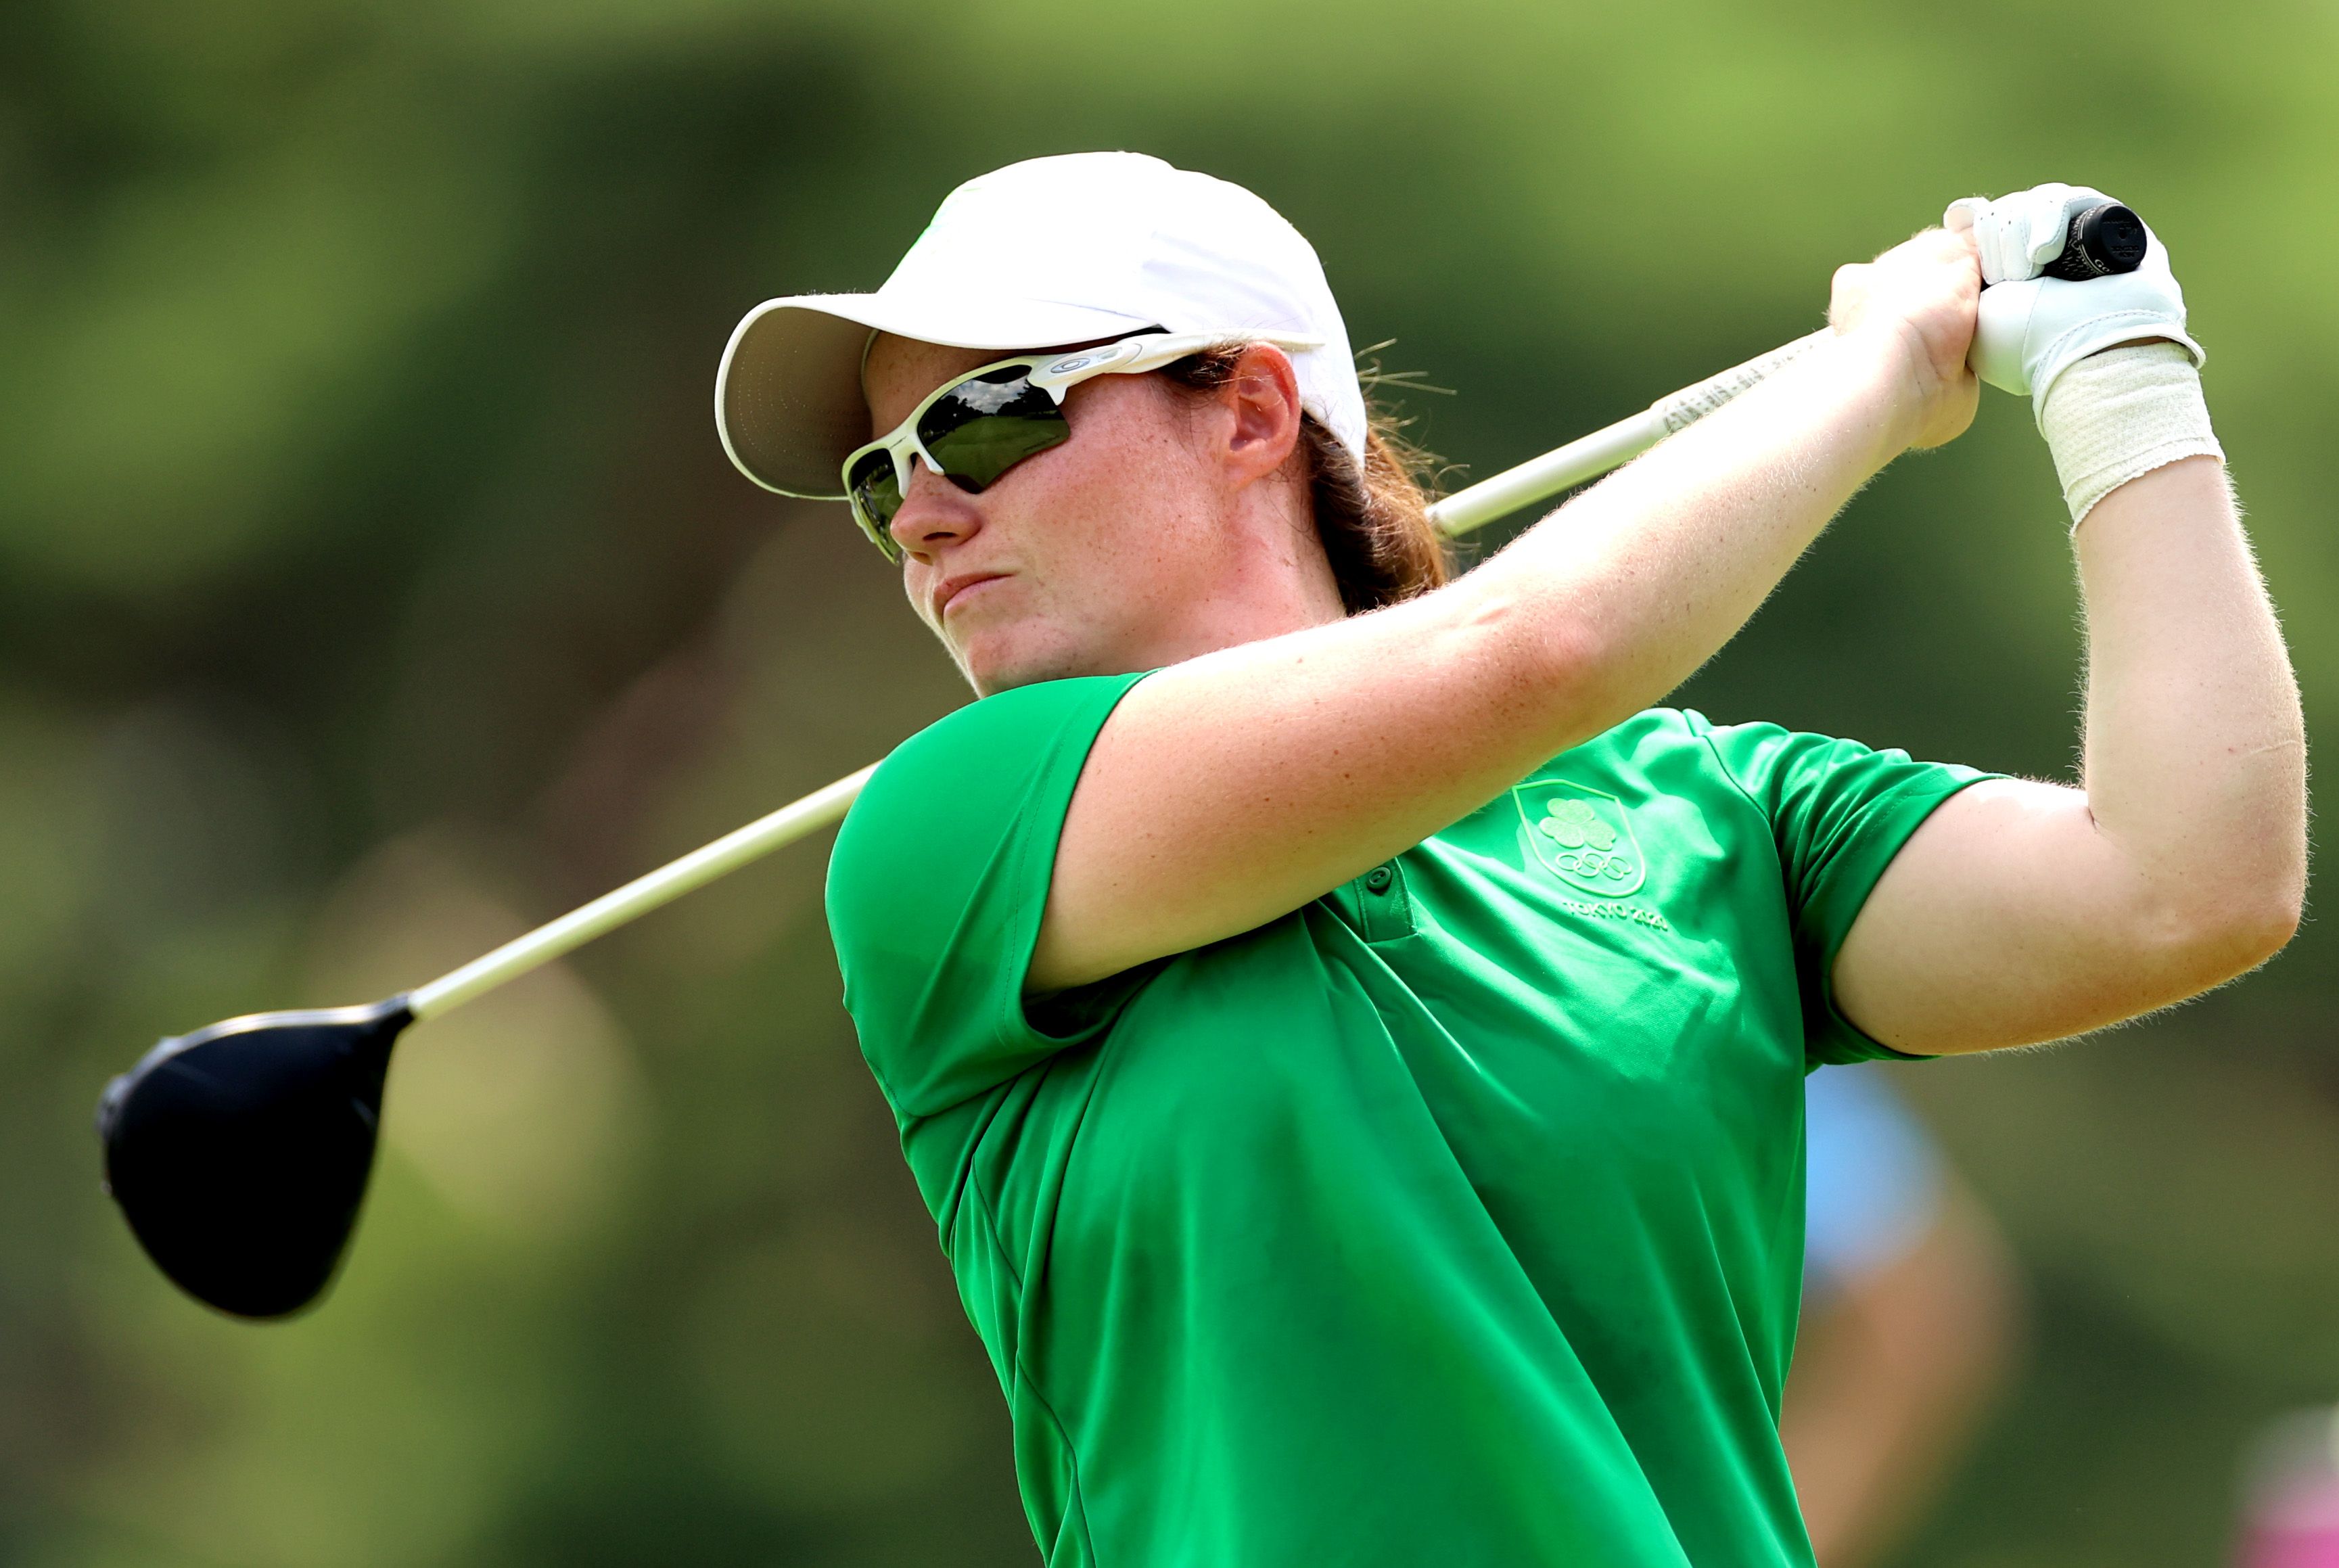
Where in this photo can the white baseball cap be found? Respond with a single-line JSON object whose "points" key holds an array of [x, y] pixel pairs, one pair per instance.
{"points": [[1038, 255]]}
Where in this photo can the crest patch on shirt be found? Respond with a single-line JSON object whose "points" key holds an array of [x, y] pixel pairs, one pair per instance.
{"points": [[1580, 835]]}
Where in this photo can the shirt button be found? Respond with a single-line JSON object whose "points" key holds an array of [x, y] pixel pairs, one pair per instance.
{"points": [[1379, 878]]}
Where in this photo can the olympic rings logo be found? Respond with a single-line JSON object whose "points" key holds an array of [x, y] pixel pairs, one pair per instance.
{"points": [[1592, 862]]}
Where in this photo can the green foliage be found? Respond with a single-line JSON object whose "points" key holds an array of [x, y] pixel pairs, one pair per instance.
{"points": [[371, 586]]}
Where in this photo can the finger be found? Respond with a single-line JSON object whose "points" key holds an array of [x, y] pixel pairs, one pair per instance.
{"points": [[1916, 245], [1997, 242], [1939, 245], [2042, 221], [1846, 295]]}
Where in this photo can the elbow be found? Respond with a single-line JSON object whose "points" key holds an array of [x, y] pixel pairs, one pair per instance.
{"points": [[1579, 666], [2258, 921], [2212, 937], [1556, 670], [2271, 921]]}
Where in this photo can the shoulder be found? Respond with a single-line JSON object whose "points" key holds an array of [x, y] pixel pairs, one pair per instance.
{"points": [[1757, 757], [995, 734], [1669, 750], [990, 747], [939, 881], [955, 790], [1680, 752]]}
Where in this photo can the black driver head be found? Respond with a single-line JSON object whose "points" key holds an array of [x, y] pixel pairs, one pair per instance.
{"points": [[240, 1153]]}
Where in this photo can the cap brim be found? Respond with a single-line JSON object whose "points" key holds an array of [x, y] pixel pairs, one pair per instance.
{"points": [[787, 399]]}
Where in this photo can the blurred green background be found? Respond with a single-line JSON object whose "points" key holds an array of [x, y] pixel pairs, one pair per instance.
{"points": [[372, 587]]}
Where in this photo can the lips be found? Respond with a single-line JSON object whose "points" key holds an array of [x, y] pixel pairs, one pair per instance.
{"points": [[950, 588]]}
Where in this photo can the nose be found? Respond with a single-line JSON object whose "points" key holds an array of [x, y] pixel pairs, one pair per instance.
{"points": [[934, 512]]}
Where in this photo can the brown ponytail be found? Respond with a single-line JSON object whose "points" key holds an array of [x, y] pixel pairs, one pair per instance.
{"points": [[1374, 521]]}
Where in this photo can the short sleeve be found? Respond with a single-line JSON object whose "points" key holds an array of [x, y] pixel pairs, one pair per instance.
{"points": [[937, 886], [1838, 813]]}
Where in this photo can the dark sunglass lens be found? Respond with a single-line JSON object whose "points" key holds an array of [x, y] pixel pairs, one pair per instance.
{"points": [[981, 429], [874, 488]]}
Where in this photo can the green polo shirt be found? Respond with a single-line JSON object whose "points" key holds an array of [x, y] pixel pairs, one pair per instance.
{"points": [[1455, 1219]]}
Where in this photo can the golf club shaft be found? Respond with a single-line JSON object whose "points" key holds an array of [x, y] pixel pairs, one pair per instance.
{"points": [[1464, 511], [1589, 457], [638, 897]]}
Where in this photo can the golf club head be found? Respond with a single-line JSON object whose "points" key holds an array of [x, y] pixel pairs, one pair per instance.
{"points": [[240, 1153]]}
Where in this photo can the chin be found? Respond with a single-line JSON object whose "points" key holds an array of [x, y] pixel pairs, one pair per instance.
{"points": [[999, 662]]}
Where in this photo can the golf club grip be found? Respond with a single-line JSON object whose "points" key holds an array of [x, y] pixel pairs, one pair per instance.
{"points": [[1685, 408], [2103, 239]]}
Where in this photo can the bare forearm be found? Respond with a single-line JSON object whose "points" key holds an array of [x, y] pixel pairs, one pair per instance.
{"points": [[1618, 598], [2196, 750], [2027, 912]]}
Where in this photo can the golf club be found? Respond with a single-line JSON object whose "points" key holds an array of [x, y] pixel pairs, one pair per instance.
{"points": [[240, 1153]]}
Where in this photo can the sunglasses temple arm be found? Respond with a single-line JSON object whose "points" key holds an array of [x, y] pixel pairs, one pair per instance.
{"points": [[637, 898], [1591, 456], [1507, 492], [1170, 351]]}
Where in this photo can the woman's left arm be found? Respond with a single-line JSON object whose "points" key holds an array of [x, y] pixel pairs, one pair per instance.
{"points": [[2025, 912]]}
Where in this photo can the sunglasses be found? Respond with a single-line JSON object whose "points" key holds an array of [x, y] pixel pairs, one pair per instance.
{"points": [[972, 430]]}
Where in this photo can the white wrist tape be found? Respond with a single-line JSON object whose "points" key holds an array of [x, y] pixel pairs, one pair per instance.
{"points": [[2119, 414]]}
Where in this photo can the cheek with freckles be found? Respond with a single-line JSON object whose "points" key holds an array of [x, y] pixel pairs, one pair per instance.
{"points": [[1105, 541]]}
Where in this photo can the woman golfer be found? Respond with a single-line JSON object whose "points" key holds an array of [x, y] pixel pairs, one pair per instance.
{"points": [[1352, 1044]]}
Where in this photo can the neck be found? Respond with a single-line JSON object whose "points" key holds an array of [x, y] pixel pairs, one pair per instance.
{"points": [[1273, 578]]}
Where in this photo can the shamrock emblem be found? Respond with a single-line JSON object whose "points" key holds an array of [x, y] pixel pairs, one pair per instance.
{"points": [[1583, 837], [1575, 825]]}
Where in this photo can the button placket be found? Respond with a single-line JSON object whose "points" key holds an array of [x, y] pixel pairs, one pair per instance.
{"points": [[1388, 912]]}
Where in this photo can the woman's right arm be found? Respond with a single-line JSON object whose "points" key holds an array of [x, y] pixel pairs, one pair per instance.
{"points": [[1236, 787]]}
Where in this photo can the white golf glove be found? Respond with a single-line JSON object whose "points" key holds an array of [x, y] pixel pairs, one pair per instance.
{"points": [[2018, 234], [2109, 417], [2030, 329]]}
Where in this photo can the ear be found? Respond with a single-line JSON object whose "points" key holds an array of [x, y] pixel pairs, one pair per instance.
{"points": [[1262, 400]]}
